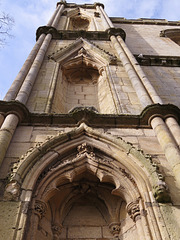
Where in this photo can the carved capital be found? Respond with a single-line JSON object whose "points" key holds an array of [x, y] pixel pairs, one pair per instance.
{"points": [[40, 208], [115, 228], [56, 230], [12, 191], [46, 30], [116, 32], [133, 210]]}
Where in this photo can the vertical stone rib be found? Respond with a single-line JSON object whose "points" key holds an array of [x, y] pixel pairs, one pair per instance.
{"points": [[152, 92], [105, 21], [52, 88], [53, 17], [58, 15], [168, 145], [136, 83], [106, 17], [16, 85]]}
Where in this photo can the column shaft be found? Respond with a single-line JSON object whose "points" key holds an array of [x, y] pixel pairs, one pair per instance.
{"points": [[16, 85], [152, 92], [27, 85], [168, 145], [174, 129], [106, 17], [58, 15], [140, 229], [53, 17], [6, 132], [106, 25], [136, 82]]}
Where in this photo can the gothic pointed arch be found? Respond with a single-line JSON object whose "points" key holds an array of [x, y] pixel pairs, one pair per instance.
{"points": [[84, 170]]}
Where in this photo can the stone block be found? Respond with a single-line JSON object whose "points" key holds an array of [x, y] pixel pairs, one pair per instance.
{"points": [[133, 98], [126, 132], [128, 89], [84, 232], [17, 149], [9, 216], [150, 145], [22, 134]]}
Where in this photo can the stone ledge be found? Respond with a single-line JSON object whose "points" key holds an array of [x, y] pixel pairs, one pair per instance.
{"points": [[90, 117], [147, 21], [93, 119], [72, 35], [86, 6], [154, 60]]}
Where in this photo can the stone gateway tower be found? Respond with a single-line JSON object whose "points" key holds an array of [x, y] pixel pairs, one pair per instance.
{"points": [[89, 137]]}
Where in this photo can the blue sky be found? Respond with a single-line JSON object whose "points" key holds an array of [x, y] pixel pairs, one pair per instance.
{"points": [[30, 14]]}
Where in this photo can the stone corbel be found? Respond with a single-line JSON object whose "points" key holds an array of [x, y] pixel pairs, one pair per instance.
{"points": [[40, 208], [161, 193], [116, 32], [56, 230], [46, 30], [12, 191], [115, 228], [134, 210]]}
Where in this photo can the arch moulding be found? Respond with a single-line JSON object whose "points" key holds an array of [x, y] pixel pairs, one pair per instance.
{"points": [[63, 159]]}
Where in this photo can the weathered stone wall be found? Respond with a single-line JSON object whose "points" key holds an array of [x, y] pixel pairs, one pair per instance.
{"points": [[166, 81], [148, 40]]}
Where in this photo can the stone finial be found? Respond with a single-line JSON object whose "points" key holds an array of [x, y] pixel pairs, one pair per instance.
{"points": [[12, 191], [115, 228], [82, 51], [133, 210], [56, 230], [40, 208]]}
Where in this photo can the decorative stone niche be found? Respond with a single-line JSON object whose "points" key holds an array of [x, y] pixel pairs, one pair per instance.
{"points": [[82, 82], [79, 23]]}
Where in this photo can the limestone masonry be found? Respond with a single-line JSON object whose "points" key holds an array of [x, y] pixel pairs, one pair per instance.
{"points": [[89, 131]]}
